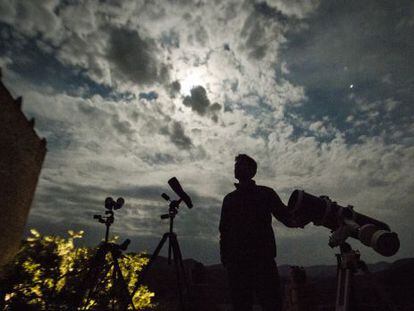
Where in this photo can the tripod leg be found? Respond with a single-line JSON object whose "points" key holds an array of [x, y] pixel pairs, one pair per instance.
{"points": [[339, 290], [150, 262], [177, 264], [180, 258], [95, 266], [120, 284], [180, 271], [169, 251], [348, 289], [343, 290], [94, 286]]}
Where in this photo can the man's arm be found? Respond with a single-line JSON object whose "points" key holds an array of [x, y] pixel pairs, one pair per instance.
{"points": [[280, 211], [223, 228]]}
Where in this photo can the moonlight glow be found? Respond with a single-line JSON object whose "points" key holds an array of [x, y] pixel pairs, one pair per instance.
{"points": [[192, 79]]}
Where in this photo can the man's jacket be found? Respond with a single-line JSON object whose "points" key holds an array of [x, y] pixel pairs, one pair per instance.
{"points": [[246, 232]]}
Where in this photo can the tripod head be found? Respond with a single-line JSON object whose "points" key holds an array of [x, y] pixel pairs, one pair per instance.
{"points": [[108, 220], [174, 205]]}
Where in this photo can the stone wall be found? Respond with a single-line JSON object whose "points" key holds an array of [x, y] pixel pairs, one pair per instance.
{"points": [[21, 156]]}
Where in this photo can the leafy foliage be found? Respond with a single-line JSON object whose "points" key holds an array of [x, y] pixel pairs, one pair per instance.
{"points": [[49, 271]]}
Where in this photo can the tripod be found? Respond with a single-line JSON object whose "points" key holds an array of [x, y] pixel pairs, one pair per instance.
{"points": [[98, 269], [348, 263], [173, 252]]}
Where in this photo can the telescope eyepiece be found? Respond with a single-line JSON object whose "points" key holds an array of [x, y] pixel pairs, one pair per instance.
{"points": [[165, 197]]}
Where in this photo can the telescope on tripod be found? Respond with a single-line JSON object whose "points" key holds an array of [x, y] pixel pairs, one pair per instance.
{"points": [[343, 222], [174, 251]]}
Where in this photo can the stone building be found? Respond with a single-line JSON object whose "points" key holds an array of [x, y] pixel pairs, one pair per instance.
{"points": [[21, 156]]}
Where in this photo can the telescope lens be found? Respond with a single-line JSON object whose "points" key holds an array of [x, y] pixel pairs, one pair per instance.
{"points": [[119, 203], [385, 242], [109, 202]]}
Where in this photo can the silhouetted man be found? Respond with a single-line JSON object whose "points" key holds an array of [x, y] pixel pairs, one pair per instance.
{"points": [[247, 242]]}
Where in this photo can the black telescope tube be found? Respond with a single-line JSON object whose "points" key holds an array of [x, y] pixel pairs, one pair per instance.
{"points": [[307, 208], [175, 185]]}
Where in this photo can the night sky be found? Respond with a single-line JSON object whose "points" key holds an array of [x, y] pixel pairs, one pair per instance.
{"points": [[131, 93]]}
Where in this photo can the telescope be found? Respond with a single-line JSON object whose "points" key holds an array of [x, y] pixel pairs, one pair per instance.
{"points": [[174, 251], [344, 222], [175, 185]]}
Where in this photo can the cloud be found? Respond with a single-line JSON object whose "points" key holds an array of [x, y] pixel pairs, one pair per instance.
{"points": [[32, 19], [175, 132], [260, 35], [297, 8], [174, 89], [133, 58], [199, 102]]}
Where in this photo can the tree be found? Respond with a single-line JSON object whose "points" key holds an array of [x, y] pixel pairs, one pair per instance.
{"points": [[47, 272]]}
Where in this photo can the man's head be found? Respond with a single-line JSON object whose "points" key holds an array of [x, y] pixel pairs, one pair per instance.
{"points": [[245, 167]]}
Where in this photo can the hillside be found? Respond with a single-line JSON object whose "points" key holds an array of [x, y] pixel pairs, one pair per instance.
{"points": [[388, 285]]}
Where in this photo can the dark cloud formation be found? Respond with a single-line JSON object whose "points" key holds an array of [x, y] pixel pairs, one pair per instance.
{"points": [[178, 136], [175, 131], [199, 102], [174, 88], [253, 32], [133, 57], [262, 29], [270, 12]]}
